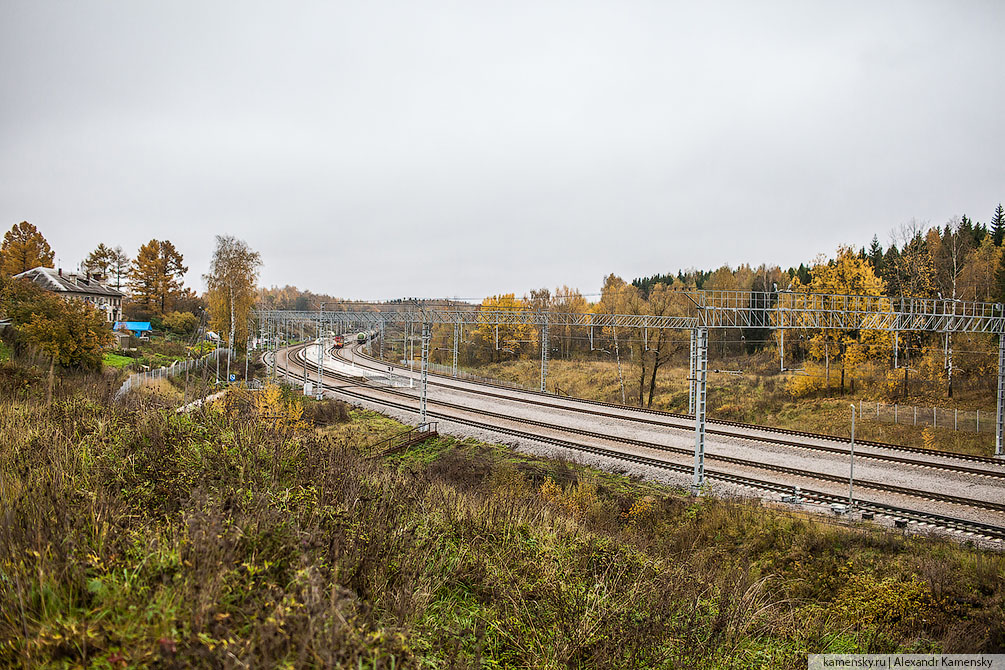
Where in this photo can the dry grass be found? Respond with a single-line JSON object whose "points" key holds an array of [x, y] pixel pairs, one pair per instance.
{"points": [[138, 537]]}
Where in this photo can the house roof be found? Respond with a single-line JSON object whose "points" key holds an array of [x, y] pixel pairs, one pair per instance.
{"points": [[60, 282], [135, 326]]}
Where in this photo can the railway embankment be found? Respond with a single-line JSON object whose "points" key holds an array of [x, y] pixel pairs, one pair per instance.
{"points": [[261, 529]]}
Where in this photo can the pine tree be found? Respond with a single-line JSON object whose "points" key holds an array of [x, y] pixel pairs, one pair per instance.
{"points": [[100, 260], [999, 281], [967, 229], [876, 255], [155, 277], [109, 262], [804, 274], [889, 274], [998, 225], [24, 248]]}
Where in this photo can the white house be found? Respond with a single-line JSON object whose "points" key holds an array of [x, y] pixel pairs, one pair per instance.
{"points": [[79, 286]]}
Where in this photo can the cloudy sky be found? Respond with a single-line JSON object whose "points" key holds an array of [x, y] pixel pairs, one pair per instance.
{"points": [[384, 149]]}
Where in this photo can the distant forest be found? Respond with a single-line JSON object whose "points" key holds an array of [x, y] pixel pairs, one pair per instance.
{"points": [[960, 260]]}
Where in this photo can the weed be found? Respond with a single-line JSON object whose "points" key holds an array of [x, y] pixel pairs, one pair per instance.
{"points": [[137, 536]]}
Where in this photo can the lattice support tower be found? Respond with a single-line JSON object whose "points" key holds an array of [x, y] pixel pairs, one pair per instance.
{"points": [[424, 371], [691, 372], [701, 397], [704, 310], [999, 450], [321, 351]]}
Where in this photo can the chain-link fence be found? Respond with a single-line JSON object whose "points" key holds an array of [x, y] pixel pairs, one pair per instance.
{"points": [[973, 421], [140, 378]]}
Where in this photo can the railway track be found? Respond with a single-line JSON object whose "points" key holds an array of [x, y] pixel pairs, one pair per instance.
{"points": [[584, 407], [863, 483], [736, 424], [920, 517]]}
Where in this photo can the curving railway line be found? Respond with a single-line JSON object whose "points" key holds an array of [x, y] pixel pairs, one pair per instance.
{"points": [[980, 514], [864, 449]]}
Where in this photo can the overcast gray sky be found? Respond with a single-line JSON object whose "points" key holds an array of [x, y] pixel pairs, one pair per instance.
{"points": [[384, 149]]}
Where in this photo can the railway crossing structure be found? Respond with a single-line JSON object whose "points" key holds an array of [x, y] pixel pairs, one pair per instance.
{"points": [[694, 310]]}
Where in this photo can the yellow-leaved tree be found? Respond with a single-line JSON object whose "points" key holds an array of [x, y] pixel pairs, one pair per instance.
{"points": [[504, 340], [24, 248], [847, 275], [70, 333], [619, 297], [156, 276], [567, 301], [233, 274]]}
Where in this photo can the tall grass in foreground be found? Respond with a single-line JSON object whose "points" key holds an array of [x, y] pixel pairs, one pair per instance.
{"points": [[144, 538]]}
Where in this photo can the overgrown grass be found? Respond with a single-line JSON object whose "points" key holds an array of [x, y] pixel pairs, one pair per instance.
{"points": [[244, 536], [117, 361]]}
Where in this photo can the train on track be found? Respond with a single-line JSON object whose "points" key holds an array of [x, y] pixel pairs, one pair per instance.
{"points": [[362, 337]]}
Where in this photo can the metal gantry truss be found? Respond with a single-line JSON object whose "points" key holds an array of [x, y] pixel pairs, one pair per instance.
{"points": [[689, 309]]}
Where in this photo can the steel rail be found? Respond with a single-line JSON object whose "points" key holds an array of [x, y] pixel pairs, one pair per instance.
{"points": [[1000, 474], [988, 530], [889, 488]]}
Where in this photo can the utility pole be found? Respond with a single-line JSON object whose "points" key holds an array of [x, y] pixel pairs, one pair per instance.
{"points": [[851, 468], [617, 356], [247, 351], [456, 337], [544, 356], [321, 350], [781, 360]]}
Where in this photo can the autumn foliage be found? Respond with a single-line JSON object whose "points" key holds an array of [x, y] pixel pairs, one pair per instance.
{"points": [[156, 276], [69, 332], [24, 248]]}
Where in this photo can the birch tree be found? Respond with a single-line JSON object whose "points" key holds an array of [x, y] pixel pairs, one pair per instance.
{"points": [[232, 280]]}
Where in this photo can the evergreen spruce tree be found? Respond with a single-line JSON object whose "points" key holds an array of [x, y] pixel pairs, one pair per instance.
{"points": [[876, 254], [891, 259], [998, 225], [968, 229], [804, 274]]}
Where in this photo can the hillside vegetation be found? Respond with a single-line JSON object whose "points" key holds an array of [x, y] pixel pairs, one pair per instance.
{"points": [[263, 533]]}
